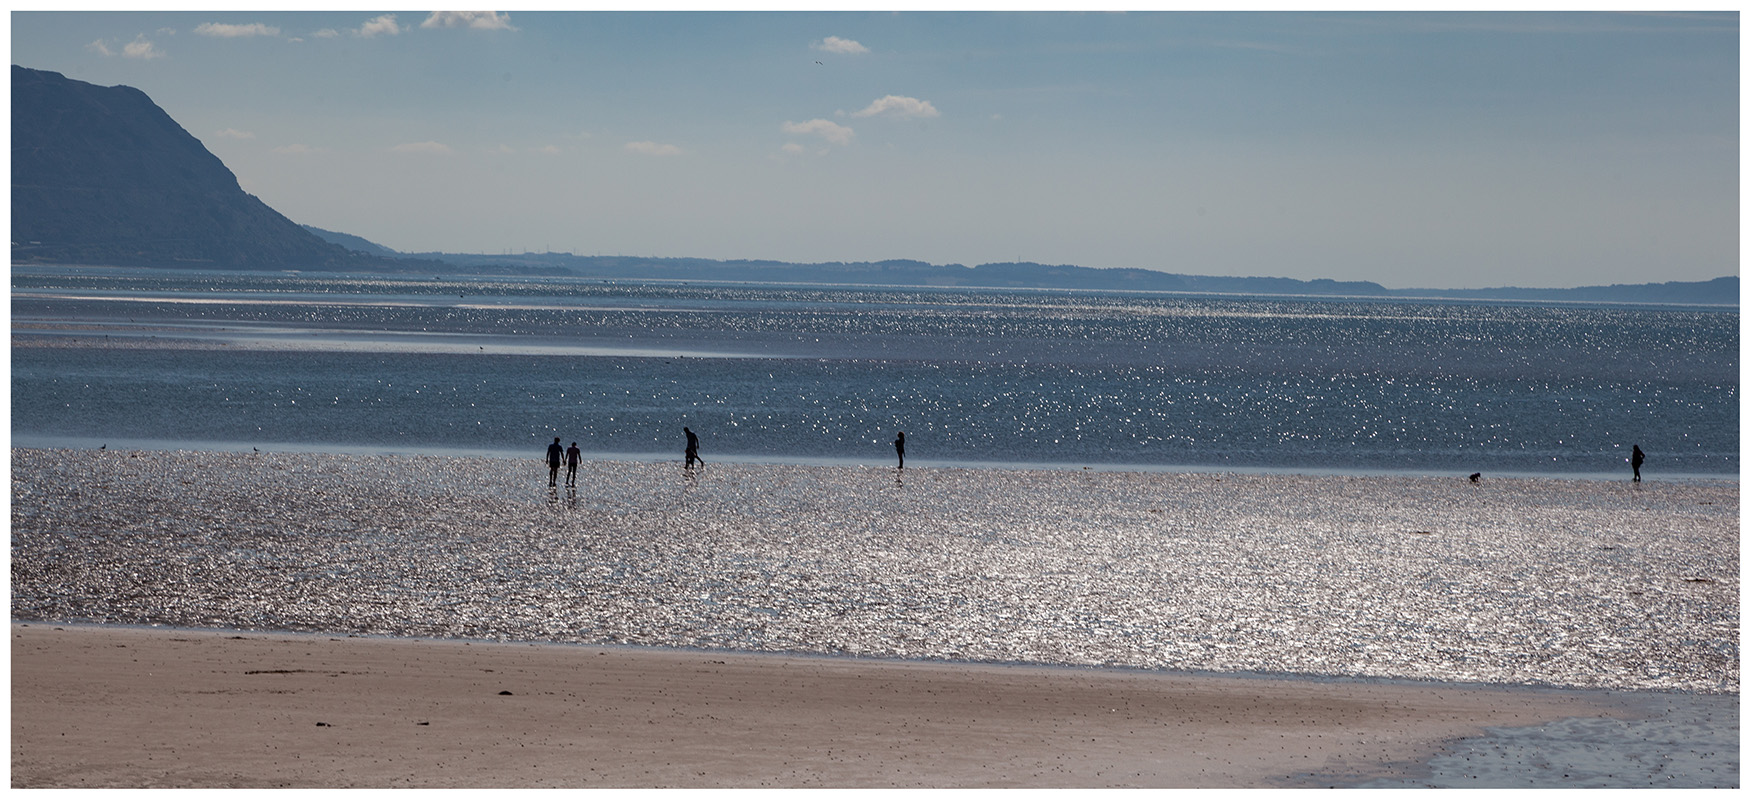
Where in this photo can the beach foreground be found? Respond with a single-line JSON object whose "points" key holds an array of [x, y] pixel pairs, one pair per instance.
{"points": [[96, 706]]}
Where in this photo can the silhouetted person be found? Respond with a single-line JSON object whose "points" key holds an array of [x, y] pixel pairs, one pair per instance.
{"points": [[1475, 476], [900, 448], [692, 448], [1636, 457], [555, 454], [571, 464]]}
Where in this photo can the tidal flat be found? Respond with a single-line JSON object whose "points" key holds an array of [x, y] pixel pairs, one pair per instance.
{"points": [[1540, 582]]}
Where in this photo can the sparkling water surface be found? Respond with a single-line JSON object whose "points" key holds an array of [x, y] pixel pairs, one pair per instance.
{"points": [[1550, 582], [774, 373]]}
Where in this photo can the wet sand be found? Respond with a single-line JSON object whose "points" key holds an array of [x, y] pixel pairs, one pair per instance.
{"points": [[1564, 583], [100, 706]]}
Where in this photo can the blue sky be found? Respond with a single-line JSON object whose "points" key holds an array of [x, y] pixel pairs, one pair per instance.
{"points": [[1412, 149]]}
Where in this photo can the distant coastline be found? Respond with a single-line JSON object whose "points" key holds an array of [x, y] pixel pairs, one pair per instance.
{"points": [[1723, 291]]}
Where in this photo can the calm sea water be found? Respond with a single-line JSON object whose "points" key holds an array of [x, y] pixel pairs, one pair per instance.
{"points": [[811, 374], [1186, 559]]}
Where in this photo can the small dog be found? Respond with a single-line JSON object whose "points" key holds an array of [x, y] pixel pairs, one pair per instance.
{"points": [[1475, 476]]}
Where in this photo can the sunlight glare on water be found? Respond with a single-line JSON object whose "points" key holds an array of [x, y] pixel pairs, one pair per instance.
{"points": [[1569, 583]]}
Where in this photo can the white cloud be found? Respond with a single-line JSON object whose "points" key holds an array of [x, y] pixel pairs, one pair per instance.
{"points": [[233, 133], [141, 47], [793, 148], [549, 150], [834, 44], [429, 148], [896, 106], [826, 129], [652, 149], [296, 150], [477, 20], [327, 33], [379, 26], [227, 31]]}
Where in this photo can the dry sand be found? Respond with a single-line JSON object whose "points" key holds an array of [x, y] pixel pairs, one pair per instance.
{"points": [[128, 707]]}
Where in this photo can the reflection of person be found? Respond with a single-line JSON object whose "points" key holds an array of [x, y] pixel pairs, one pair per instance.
{"points": [[900, 448], [692, 448], [571, 464], [554, 457], [1636, 457]]}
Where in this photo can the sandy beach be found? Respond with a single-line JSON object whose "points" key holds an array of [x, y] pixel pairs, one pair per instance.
{"points": [[96, 706]]}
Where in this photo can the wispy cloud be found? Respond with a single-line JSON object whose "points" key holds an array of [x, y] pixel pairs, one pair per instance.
{"points": [[652, 149], [896, 106], [140, 47], [296, 150], [834, 44], [476, 20], [233, 133], [380, 26], [327, 33], [229, 31], [424, 148], [826, 129]]}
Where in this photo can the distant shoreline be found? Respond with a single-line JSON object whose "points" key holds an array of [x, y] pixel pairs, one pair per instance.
{"points": [[1707, 294]]}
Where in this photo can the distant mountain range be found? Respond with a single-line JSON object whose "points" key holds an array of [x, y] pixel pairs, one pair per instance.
{"points": [[103, 176], [1720, 291]]}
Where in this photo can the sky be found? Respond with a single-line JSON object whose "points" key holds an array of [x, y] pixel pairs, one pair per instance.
{"points": [[1412, 149]]}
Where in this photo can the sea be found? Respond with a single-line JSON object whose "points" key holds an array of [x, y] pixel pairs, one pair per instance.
{"points": [[1327, 488], [794, 374]]}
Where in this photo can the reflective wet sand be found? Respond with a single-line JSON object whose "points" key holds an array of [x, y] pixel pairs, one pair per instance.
{"points": [[1583, 584]]}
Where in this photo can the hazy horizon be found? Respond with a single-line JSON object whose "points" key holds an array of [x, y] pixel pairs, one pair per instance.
{"points": [[1411, 149]]}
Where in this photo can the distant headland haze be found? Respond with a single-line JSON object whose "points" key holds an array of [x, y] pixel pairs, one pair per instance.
{"points": [[902, 272], [103, 176]]}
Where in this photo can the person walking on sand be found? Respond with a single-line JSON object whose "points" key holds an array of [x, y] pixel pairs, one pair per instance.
{"points": [[1636, 457], [555, 454], [692, 447], [571, 464], [900, 448]]}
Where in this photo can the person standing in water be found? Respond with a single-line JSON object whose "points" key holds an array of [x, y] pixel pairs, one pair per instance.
{"points": [[900, 448], [692, 447], [555, 454], [1636, 457], [571, 464]]}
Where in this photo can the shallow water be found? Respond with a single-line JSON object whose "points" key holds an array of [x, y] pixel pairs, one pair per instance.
{"points": [[1551, 582], [144, 358], [1685, 742]]}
